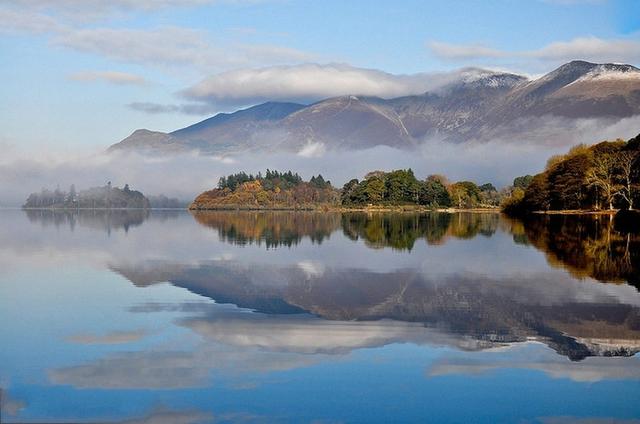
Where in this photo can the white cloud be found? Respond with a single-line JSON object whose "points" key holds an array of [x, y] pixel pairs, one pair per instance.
{"points": [[173, 46], [159, 46], [310, 82], [89, 10], [462, 51], [14, 21], [591, 48], [113, 77]]}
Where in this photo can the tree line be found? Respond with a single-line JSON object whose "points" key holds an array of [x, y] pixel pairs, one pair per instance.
{"points": [[605, 176], [270, 180], [378, 188], [401, 187]]}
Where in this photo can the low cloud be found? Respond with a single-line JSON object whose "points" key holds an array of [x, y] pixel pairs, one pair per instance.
{"points": [[497, 159], [311, 82], [113, 77]]}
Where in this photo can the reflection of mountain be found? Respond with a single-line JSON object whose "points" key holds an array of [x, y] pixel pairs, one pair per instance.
{"points": [[397, 230], [587, 246], [493, 311]]}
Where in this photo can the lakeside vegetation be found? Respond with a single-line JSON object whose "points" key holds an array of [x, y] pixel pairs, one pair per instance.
{"points": [[602, 177], [398, 188]]}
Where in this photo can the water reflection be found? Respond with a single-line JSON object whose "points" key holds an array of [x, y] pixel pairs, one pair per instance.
{"points": [[397, 230], [99, 219], [217, 314], [273, 228], [587, 246]]}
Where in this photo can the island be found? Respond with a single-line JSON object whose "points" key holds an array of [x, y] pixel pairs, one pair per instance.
{"points": [[274, 190], [105, 197]]}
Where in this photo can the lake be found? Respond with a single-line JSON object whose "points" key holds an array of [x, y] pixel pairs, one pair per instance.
{"points": [[173, 317]]}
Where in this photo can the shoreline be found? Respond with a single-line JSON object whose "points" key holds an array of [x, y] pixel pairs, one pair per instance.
{"points": [[577, 212], [345, 209]]}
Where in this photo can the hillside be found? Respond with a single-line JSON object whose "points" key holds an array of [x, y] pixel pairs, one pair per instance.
{"points": [[480, 105]]}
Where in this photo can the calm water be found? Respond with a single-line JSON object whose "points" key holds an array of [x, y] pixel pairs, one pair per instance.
{"points": [[169, 317]]}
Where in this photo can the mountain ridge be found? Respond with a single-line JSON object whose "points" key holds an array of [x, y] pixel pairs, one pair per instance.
{"points": [[479, 105]]}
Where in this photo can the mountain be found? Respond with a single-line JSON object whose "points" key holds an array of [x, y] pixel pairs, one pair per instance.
{"points": [[480, 105]]}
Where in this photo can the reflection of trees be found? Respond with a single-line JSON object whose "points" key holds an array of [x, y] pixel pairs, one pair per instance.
{"points": [[396, 230], [400, 231], [99, 219], [275, 228], [587, 246]]}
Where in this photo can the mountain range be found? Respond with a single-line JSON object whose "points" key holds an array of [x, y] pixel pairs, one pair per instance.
{"points": [[478, 106]]}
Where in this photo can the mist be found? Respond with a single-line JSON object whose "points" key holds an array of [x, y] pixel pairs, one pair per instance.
{"points": [[522, 149]]}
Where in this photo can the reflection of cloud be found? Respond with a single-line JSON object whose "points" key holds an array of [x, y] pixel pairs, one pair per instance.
{"points": [[116, 337], [308, 335], [582, 420], [236, 341], [535, 357], [9, 405], [311, 268], [175, 369], [171, 417]]}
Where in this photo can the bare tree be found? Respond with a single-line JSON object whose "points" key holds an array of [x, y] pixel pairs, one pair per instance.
{"points": [[628, 167], [602, 176]]}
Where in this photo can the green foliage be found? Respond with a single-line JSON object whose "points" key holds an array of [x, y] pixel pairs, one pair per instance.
{"points": [[465, 194], [434, 193], [271, 180], [522, 182]]}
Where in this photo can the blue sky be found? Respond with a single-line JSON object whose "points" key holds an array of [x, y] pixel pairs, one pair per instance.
{"points": [[82, 74]]}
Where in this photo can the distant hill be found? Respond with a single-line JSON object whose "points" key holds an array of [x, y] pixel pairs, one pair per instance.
{"points": [[480, 105], [106, 197]]}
